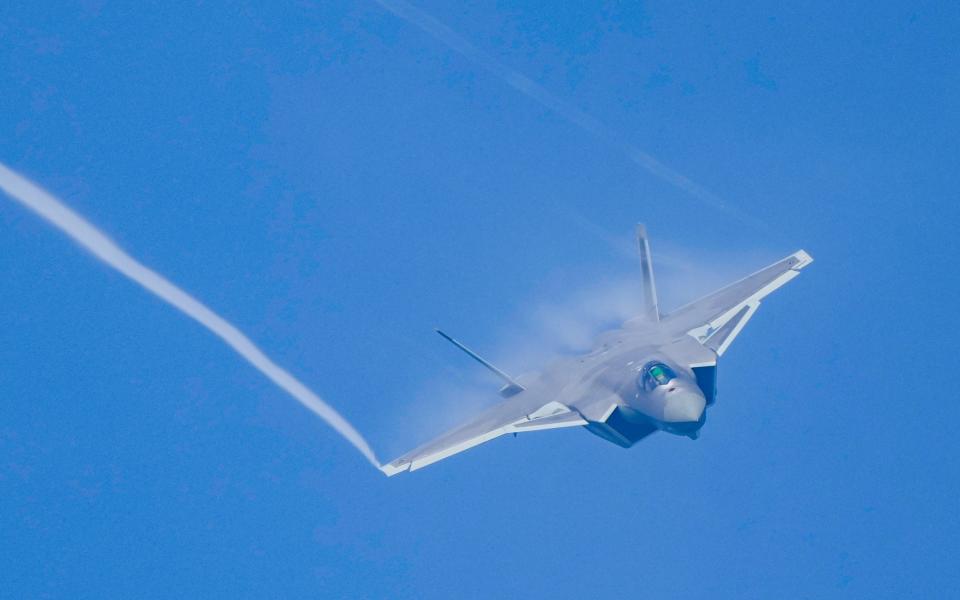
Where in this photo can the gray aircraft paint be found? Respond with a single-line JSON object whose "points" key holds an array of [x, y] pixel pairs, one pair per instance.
{"points": [[600, 391]]}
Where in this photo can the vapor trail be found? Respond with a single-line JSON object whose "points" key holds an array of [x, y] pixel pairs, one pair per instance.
{"points": [[87, 235], [568, 111]]}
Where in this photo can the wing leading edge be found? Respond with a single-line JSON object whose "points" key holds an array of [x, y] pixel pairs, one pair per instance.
{"points": [[716, 319]]}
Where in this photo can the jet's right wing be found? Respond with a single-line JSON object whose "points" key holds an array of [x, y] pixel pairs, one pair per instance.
{"points": [[524, 411], [716, 319]]}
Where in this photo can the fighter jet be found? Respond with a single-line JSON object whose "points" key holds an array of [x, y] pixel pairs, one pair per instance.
{"points": [[656, 372]]}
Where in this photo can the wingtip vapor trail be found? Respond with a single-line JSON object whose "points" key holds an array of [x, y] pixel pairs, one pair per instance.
{"points": [[84, 233]]}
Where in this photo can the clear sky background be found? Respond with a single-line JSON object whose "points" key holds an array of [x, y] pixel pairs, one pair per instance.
{"points": [[337, 182]]}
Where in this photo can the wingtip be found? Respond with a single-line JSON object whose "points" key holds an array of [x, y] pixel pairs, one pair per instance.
{"points": [[397, 466], [803, 259]]}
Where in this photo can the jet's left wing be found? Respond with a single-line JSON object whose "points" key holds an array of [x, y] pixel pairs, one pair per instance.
{"points": [[716, 319], [525, 411]]}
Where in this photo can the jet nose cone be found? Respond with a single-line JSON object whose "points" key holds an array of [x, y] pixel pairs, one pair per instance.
{"points": [[684, 406]]}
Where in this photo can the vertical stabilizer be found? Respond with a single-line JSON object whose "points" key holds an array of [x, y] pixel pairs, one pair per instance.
{"points": [[512, 388], [651, 308]]}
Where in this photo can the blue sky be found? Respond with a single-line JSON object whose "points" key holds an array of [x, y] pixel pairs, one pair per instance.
{"points": [[337, 182]]}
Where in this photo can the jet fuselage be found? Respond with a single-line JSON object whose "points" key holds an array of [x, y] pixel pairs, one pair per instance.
{"points": [[617, 394]]}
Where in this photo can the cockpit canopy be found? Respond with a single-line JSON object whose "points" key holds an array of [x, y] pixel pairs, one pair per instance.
{"points": [[655, 374]]}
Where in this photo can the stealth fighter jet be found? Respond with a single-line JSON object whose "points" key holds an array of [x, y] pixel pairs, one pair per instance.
{"points": [[654, 373]]}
